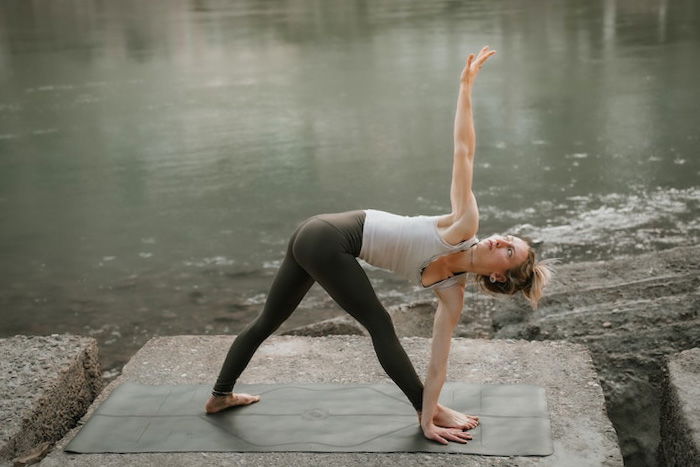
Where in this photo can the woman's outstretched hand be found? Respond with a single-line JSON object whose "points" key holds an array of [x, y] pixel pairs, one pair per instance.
{"points": [[445, 435], [474, 64]]}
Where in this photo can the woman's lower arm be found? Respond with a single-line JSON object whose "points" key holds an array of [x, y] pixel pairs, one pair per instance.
{"points": [[446, 317], [464, 133], [431, 395]]}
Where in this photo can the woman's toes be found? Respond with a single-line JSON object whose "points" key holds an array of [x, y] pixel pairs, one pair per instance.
{"points": [[471, 424], [246, 399]]}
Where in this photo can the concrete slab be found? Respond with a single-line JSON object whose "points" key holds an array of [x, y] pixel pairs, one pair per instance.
{"points": [[582, 433], [680, 410], [47, 383]]}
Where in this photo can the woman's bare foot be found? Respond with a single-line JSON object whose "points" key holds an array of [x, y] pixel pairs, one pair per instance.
{"points": [[448, 418], [217, 404]]}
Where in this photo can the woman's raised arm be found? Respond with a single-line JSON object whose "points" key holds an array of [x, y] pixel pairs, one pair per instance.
{"points": [[461, 196]]}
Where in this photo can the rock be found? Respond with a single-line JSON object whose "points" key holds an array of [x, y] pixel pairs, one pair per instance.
{"points": [[680, 410], [645, 316], [329, 327], [47, 383], [33, 456], [414, 319]]}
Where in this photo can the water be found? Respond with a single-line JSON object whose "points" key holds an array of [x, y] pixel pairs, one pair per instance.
{"points": [[155, 156]]}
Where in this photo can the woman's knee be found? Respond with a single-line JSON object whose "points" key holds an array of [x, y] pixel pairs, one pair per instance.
{"points": [[379, 324], [263, 326]]}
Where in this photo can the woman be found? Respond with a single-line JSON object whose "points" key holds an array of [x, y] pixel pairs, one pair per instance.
{"points": [[435, 251]]}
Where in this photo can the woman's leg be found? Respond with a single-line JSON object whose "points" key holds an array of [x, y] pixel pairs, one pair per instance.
{"points": [[288, 288], [343, 278]]}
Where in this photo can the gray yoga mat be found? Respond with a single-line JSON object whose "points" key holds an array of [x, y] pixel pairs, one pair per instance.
{"points": [[312, 418]]}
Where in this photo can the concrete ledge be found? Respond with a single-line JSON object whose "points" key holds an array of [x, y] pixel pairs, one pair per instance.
{"points": [[47, 383], [582, 433], [680, 410]]}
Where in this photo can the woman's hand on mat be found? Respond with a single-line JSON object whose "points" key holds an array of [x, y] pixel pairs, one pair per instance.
{"points": [[474, 64], [445, 435]]}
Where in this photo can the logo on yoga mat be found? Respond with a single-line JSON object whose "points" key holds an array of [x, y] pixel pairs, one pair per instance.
{"points": [[315, 414]]}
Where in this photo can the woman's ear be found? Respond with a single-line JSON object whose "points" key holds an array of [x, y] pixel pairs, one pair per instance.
{"points": [[497, 277]]}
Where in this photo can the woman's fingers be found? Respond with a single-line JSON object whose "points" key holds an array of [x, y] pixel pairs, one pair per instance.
{"points": [[445, 435], [456, 438], [481, 53], [474, 63], [487, 56], [482, 59], [457, 435]]}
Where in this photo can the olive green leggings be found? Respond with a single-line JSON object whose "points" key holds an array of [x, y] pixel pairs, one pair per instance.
{"points": [[324, 249]]}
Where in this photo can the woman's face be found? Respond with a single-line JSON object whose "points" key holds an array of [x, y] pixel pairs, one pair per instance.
{"points": [[498, 254]]}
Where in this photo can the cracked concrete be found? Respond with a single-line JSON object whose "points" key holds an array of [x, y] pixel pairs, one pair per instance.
{"points": [[582, 433]]}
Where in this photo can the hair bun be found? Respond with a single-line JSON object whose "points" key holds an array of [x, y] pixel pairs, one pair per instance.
{"points": [[541, 275]]}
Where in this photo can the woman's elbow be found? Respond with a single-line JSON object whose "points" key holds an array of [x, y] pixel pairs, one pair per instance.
{"points": [[463, 150]]}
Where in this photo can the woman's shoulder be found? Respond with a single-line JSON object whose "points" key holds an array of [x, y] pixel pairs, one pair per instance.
{"points": [[455, 231]]}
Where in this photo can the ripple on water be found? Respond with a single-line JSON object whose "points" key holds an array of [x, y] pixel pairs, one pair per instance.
{"points": [[215, 260], [621, 224]]}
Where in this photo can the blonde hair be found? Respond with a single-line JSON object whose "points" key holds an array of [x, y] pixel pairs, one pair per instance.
{"points": [[530, 278]]}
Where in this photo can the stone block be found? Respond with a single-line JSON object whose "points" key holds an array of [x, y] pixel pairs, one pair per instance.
{"points": [[582, 433], [47, 384], [680, 410]]}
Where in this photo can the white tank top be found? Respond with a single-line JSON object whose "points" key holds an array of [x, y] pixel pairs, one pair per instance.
{"points": [[407, 245]]}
